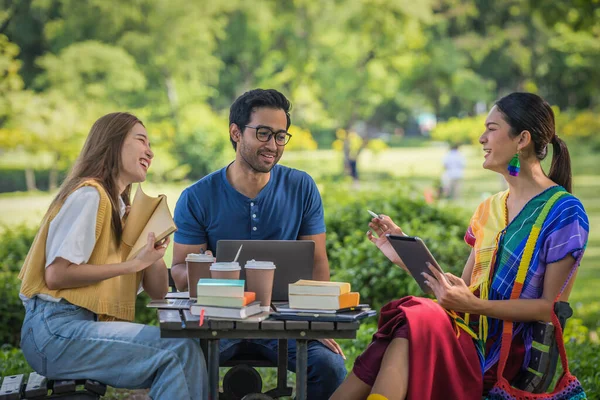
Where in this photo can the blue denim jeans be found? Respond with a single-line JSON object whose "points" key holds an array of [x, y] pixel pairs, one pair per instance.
{"points": [[64, 341], [326, 369]]}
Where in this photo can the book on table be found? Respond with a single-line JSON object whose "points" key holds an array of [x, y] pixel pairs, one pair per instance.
{"points": [[220, 288], [147, 214], [227, 312], [327, 288], [221, 301], [324, 302]]}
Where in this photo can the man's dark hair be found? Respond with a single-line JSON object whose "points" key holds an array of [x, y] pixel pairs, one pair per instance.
{"points": [[243, 106]]}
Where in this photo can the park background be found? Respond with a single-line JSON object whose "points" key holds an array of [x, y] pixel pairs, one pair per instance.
{"points": [[387, 84]]}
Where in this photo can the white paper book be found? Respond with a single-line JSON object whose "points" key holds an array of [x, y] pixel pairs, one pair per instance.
{"points": [[324, 302], [227, 312], [319, 287]]}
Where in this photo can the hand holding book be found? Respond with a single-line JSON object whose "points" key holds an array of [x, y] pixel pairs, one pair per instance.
{"points": [[148, 215], [152, 252]]}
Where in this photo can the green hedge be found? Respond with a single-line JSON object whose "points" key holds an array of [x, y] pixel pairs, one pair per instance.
{"points": [[12, 361], [15, 245], [15, 241], [353, 258]]}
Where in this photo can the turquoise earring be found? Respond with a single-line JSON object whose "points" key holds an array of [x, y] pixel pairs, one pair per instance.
{"points": [[514, 165]]}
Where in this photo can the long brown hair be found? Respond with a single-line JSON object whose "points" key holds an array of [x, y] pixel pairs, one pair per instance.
{"points": [[100, 160]]}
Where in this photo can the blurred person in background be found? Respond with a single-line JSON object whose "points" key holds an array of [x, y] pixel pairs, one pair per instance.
{"points": [[454, 165]]}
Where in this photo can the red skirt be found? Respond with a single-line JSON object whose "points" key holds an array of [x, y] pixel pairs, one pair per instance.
{"points": [[441, 366]]}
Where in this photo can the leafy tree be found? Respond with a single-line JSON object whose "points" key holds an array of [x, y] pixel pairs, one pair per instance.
{"points": [[11, 98]]}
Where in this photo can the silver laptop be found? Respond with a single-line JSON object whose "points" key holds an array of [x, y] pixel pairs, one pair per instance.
{"points": [[293, 259]]}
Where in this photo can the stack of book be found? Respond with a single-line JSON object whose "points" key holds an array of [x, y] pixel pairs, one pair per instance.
{"points": [[321, 301], [321, 295], [224, 298]]}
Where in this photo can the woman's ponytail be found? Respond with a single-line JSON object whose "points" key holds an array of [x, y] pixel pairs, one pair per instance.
{"points": [[560, 169]]}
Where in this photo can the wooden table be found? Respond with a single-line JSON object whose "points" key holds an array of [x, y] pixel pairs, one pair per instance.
{"points": [[182, 324]]}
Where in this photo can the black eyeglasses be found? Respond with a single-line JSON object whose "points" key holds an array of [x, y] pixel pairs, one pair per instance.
{"points": [[264, 134]]}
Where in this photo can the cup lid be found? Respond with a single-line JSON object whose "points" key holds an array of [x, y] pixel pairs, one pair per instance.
{"points": [[200, 257], [225, 266], [253, 264]]}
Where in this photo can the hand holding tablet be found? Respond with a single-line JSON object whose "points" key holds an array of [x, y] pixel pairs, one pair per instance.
{"points": [[416, 257]]}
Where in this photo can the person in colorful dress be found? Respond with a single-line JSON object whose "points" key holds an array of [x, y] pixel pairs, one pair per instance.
{"points": [[449, 349], [78, 291]]}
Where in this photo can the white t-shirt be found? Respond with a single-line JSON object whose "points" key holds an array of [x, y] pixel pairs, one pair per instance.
{"points": [[72, 233], [454, 165]]}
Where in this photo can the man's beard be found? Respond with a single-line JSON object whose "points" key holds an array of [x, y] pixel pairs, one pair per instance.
{"points": [[253, 161]]}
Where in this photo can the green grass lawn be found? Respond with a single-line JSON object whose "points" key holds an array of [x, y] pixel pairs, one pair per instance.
{"points": [[417, 166]]}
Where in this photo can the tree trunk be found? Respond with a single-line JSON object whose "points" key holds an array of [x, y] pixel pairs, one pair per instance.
{"points": [[53, 179], [53, 175], [173, 99], [30, 179]]}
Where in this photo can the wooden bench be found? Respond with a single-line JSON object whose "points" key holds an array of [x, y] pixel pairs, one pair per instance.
{"points": [[38, 387]]}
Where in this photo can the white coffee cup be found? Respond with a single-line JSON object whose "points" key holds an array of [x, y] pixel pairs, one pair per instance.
{"points": [[225, 270], [193, 257]]}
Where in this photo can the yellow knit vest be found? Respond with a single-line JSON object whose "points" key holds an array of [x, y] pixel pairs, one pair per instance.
{"points": [[112, 298]]}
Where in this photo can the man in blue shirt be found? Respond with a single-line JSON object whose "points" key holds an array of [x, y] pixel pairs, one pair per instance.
{"points": [[254, 198]]}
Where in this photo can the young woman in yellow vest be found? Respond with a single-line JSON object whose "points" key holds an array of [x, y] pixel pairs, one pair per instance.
{"points": [[79, 294]]}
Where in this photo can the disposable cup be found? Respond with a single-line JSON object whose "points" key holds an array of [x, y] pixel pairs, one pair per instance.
{"points": [[259, 279], [198, 267], [225, 270]]}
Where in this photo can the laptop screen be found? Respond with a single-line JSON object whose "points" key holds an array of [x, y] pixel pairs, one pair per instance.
{"points": [[292, 258]]}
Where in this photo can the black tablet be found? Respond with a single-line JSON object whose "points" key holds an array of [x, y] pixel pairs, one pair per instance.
{"points": [[415, 255]]}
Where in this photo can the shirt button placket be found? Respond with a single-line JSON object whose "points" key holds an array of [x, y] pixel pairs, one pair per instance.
{"points": [[253, 221]]}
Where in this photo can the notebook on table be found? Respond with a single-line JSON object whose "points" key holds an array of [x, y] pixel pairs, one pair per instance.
{"points": [[174, 304], [284, 307]]}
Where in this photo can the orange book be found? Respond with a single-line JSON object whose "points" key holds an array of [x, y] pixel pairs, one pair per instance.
{"points": [[349, 300], [249, 297]]}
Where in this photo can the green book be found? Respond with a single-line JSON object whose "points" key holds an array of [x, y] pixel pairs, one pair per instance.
{"points": [[221, 282], [220, 288]]}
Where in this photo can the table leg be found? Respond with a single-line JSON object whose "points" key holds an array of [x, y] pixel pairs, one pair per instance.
{"points": [[282, 362], [301, 368], [213, 369]]}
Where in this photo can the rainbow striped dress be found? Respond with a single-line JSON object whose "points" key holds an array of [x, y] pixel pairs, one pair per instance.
{"points": [[499, 247]]}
